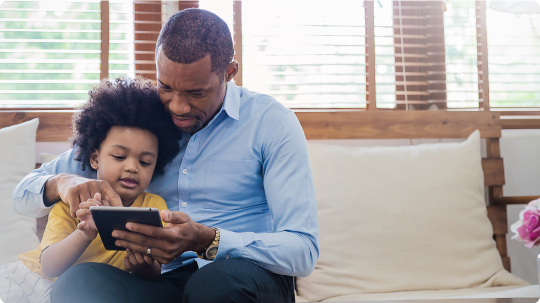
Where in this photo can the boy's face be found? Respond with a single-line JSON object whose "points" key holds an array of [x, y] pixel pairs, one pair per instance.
{"points": [[126, 160]]}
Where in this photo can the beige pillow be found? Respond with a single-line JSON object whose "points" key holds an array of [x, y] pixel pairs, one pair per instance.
{"points": [[17, 159], [400, 219]]}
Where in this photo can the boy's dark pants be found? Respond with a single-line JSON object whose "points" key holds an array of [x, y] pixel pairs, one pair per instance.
{"points": [[221, 281]]}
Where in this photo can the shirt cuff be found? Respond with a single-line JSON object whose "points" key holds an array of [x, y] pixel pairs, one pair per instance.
{"points": [[36, 190], [231, 245], [39, 188]]}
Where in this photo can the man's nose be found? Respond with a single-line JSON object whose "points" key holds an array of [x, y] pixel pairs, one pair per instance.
{"points": [[179, 104]]}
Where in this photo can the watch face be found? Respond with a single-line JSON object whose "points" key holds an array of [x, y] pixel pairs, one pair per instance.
{"points": [[211, 252]]}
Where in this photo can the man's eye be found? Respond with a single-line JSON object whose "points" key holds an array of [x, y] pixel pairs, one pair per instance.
{"points": [[165, 88], [118, 157], [197, 95]]}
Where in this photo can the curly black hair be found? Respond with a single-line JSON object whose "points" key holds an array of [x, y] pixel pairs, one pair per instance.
{"points": [[123, 102], [192, 34]]}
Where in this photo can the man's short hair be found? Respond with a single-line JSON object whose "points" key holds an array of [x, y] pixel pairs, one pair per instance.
{"points": [[192, 34]]}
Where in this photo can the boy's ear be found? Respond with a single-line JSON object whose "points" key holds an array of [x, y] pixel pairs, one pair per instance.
{"points": [[94, 159]]}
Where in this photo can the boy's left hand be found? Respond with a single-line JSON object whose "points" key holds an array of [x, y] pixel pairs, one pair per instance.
{"points": [[87, 225], [135, 260]]}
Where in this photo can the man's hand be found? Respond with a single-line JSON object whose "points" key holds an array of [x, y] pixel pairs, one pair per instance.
{"points": [[73, 190], [181, 234], [87, 225]]}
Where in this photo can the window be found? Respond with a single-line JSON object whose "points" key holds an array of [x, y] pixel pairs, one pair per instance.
{"points": [[514, 59], [52, 51], [381, 54], [428, 54]]}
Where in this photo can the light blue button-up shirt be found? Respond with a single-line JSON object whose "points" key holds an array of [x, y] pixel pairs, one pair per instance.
{"points": [[247, 173]]}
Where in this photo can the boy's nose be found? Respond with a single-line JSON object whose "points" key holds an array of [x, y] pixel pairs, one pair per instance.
{"points": [[131, 167]]}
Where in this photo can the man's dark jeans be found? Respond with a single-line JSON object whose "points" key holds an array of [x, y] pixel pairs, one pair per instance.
{"points": [[221, 281]]}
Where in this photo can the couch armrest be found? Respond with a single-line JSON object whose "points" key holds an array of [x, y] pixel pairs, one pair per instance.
{"points": [[514, 200]]}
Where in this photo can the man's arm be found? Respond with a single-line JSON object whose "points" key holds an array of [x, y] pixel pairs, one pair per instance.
{"points": [[62, 179], [28, 197], [292, 247]]}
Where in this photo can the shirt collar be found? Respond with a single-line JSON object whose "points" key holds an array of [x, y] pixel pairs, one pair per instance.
{"points": [[231, 102]]}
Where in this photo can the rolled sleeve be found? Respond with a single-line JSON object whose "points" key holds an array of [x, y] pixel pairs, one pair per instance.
{"points": [[27, 197]]}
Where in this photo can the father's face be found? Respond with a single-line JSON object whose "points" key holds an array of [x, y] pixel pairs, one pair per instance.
{"points": [[191, 92]]}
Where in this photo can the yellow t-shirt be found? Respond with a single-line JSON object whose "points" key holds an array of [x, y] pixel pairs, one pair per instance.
{"points": [[61, 224]]}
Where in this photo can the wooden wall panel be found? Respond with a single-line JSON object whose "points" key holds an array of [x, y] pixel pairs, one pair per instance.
{"points": [[54, 126], [396, 124]]}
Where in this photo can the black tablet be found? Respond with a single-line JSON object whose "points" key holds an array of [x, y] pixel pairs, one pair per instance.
{"points": [[109, 218]]}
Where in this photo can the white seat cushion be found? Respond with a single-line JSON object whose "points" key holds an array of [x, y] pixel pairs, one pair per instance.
{"points": [[17, 159], [404, 218]]}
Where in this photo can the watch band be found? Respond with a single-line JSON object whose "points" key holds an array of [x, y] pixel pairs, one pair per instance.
{"points": [[209, 253]]}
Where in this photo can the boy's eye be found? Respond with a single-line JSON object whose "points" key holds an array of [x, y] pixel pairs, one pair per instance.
{"points": [[143, 163], [118, 157]]}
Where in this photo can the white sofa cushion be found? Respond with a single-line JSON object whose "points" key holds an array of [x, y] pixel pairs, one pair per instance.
{"points": [[401, 219], [17, 159]]}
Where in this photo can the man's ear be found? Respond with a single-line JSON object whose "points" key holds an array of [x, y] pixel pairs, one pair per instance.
{"points": [[231, 71], [94, 159]]}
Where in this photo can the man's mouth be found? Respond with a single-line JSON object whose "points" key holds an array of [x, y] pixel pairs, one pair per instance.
{"points": [[129, 182], [184, 122]]}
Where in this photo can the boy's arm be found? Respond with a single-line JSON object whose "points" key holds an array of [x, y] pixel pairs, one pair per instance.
{"points": [[58, 257]]}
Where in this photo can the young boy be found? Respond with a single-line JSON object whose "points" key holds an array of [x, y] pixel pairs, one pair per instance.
{"points": [[125, 134]]}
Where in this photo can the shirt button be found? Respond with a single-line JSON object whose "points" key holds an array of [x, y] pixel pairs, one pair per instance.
{"points": [[184, 171], [184, 204]]}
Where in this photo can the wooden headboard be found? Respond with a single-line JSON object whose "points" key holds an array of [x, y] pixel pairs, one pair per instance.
{"points": [[354, 124]]}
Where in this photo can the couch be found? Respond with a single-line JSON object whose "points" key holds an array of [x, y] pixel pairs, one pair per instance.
{"points": [[396, 222]]}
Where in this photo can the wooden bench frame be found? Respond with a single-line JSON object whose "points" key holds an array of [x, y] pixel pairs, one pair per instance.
{"points": [[54, 126]]}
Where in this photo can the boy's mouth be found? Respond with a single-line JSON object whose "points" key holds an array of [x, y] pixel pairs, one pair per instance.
{"points": [[129, 182]]}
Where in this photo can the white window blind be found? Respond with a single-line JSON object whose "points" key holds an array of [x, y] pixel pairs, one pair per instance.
{"points": [[50, 52], [460, 34], [514, 57], [121, 38], [307, 54]]}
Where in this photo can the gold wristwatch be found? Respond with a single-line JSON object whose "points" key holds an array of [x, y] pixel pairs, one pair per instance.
{"points": [[211, 251]]}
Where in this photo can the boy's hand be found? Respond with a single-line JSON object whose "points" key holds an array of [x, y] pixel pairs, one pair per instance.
{"points": [[135, 260], [87, 225]]}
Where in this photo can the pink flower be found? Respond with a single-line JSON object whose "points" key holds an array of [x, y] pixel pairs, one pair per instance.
{"points": [[527, 229]]}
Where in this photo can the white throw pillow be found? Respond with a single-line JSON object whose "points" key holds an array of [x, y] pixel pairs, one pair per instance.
{"points": [[17, 159], [401, 219]]}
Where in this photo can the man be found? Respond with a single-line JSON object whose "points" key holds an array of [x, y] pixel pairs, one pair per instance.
{"points": [[240, 191]]}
